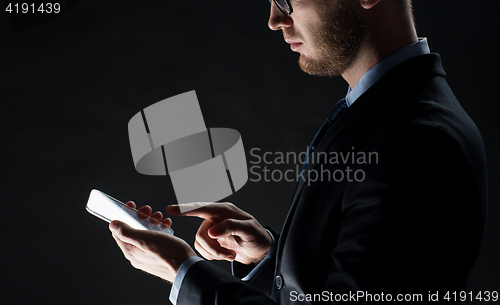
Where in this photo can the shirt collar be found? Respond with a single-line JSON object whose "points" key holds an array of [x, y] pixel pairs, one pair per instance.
{"points": [[374, 74]]}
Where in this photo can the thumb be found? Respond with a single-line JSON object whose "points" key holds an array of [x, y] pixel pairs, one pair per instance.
{"points": [[231, 227], [114, 225], [126, 233]]}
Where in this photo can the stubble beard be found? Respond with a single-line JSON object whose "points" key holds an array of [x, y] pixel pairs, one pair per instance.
{"points": [[339, 38]]}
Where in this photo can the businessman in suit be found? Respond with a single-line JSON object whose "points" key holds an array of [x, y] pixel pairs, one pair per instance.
{"points": [[411, 225]]}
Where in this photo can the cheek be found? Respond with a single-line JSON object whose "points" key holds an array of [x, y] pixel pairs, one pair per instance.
{"points": [[310, 27], [312, 42]]}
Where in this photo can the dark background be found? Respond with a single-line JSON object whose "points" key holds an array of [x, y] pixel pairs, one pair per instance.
{"points": [[69, 87]]}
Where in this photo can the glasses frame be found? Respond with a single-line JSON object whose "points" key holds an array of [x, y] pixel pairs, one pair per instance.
{"points": [[282, 9]]}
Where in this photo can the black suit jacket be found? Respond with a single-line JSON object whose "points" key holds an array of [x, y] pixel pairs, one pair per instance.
{"points": [[412, 222]]}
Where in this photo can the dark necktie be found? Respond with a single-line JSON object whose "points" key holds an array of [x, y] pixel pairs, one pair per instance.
{"points": [[337, 110]]}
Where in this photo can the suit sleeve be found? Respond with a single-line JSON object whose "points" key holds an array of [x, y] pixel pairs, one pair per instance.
{"points": [[413, 225], [205, 283]]}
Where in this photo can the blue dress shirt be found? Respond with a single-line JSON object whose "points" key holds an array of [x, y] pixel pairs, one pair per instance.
{"points": [[365, 82], [374, 74]]}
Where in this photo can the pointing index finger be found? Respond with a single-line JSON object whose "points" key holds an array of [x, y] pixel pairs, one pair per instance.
{"points": [[187, 209], [214, 211]]}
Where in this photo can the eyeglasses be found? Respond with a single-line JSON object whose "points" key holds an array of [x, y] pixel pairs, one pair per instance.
{"points": [[284, 6]]}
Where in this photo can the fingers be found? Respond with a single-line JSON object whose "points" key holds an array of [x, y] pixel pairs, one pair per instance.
{"points": [[131, 204], [209, 256], [240, 228], [227, 224], [182, 208], [209, 247], [144, 212], [156, 218], [167, 223], [215, 212]]}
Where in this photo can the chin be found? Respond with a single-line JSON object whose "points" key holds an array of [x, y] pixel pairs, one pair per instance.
{"points": [[318, 67]]}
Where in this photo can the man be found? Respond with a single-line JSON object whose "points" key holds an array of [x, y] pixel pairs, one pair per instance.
{"points": [[409, 230]]}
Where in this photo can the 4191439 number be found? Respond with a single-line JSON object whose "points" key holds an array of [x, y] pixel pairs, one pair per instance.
{"points": [[32, 8]]}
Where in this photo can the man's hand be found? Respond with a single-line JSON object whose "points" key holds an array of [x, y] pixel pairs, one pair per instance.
{"points": [[158, 253], [227, 233]]}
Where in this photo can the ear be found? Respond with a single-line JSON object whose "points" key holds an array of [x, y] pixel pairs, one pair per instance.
{"points": [[368, 4]]}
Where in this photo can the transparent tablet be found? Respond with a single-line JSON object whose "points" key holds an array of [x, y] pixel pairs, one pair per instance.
{"points": [[108, 209]]}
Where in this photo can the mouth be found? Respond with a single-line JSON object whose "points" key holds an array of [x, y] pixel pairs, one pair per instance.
{"points": [[294, 45]]}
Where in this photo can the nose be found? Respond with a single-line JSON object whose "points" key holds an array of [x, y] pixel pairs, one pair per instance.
{"points": [[278, 20]]}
